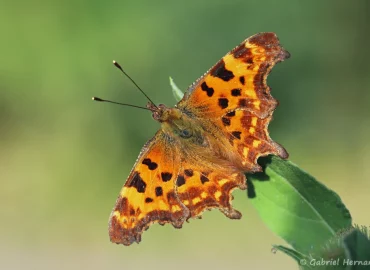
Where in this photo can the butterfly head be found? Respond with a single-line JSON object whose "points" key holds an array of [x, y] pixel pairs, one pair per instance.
{"points": [[160, 113]]}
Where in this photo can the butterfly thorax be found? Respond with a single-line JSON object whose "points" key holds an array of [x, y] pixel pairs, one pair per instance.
{"points": [[178, 125], [196, 141]]}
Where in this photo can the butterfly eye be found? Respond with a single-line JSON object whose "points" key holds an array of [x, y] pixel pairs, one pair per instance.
{"points": [[185, 133]]}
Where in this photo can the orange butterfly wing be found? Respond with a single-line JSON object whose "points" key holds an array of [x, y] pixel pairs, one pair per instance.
{"points": [[148, 195], [249, 136], [234, 96], [202, 185], [238, 80], [233, 101]]}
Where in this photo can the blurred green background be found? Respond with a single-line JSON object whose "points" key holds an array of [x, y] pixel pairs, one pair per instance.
{"points": [[65, 158]]}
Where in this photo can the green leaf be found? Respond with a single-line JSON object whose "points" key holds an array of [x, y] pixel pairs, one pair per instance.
{"points": [[295, 206], [301, 259], [177, 93], [357, 249]]}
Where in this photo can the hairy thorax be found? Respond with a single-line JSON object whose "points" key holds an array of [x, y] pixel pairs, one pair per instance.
{"points": [[197, 140]]}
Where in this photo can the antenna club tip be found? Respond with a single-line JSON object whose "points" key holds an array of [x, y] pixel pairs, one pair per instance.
{"points": [[117, 65], [96, 99]]}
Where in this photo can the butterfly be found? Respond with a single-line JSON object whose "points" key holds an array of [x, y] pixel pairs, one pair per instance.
{"points": [[205, 144]]}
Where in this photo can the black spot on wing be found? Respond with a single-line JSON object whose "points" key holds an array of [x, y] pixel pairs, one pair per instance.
{"points": [[204, 179], [236, 92], [138, 183], [189, 172], [166, 176], [243, 52], [221, 72], [226, 121], [208, 90], [236, 134], [223, 103], [148, 200], [151, 165], [158, 191], [242, 80], [180, 180], [230, 114]]}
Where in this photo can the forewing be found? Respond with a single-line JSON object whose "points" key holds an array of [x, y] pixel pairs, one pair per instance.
{"points": [[238, 80], [234, 96]]}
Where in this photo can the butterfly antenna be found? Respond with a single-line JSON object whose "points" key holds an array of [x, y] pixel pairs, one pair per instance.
{"points": [[121, 69], [124, 104]]}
